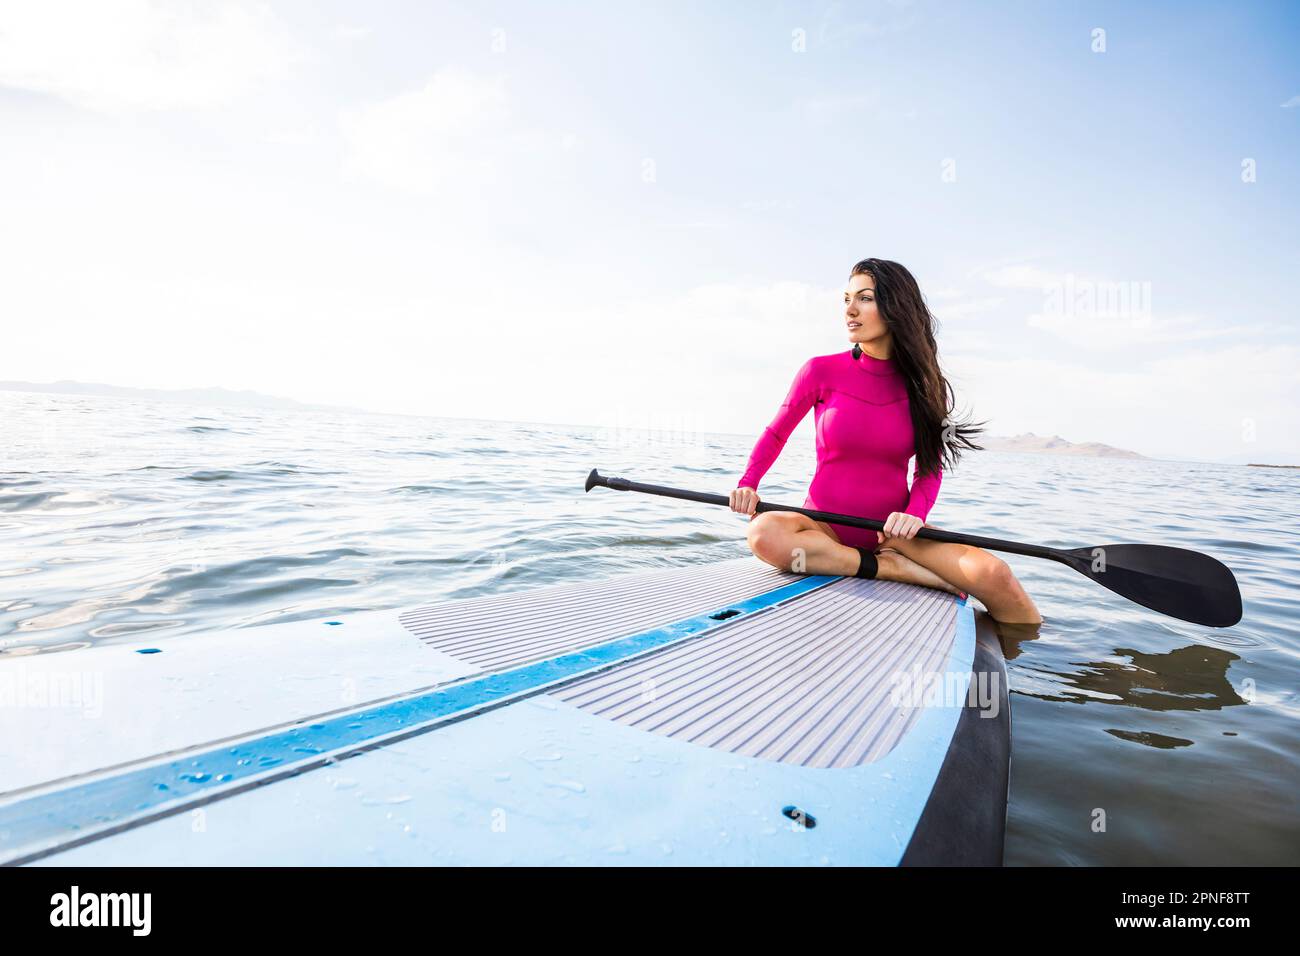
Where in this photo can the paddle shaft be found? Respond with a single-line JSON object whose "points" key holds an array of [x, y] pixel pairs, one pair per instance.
{"points": [[852, 521], [1184, 584]]}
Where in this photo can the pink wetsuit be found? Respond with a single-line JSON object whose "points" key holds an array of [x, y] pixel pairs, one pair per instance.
{"points": [[864, 442]]}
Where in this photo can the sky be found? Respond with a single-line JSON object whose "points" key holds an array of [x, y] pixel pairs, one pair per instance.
{"points": [[644, 214]]}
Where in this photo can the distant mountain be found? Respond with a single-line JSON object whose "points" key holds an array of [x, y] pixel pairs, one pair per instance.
{"points": [[191, 396], [1264, 458], [1056, 445]]}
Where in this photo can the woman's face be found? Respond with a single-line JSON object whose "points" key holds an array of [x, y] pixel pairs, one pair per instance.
{"points": [[860, 312]]}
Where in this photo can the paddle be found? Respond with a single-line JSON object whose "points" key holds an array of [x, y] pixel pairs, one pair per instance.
{"points": [[1184, 584]]}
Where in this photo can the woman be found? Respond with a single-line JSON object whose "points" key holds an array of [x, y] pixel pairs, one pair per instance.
{"points": [[876, 407]]}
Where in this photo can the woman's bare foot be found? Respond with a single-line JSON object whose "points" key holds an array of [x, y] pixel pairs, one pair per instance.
{"points": [[893, 566]]}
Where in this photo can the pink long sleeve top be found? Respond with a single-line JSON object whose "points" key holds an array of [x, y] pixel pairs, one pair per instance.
{"points": [[864, 442]]}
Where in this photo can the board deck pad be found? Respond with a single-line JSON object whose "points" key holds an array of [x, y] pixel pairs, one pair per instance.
{"points": [[808, 684], [495, 633], [598, 714]]}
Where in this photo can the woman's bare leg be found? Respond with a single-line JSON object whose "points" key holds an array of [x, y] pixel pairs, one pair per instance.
{"points": [[892, 566], [795, 542], [976, 572]]}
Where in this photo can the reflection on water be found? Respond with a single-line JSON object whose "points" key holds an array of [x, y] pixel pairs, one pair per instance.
{"points": [[1011, 636], [1150, 739], [122, 518], [1187, 678]]}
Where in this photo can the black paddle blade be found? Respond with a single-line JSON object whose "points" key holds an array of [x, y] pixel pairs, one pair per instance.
{"points": [[1184, 584]]}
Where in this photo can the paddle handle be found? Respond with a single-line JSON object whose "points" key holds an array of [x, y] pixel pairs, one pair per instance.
{"points": [[852, 521]]}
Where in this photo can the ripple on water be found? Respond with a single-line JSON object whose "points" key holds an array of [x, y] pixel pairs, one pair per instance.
{"points": [[55, 501], [213, 475]]}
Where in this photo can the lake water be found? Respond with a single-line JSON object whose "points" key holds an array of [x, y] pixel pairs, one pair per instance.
{"points": [[123, 520]]}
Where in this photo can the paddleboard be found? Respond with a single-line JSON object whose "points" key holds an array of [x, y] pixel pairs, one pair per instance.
{"points": [[721, 714]]}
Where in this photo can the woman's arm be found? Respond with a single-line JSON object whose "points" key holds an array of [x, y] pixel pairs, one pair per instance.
{"points": [[924, 493], [802, 396]]}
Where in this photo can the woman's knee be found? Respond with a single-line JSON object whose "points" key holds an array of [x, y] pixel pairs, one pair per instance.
{"points": [[1002, 593], [768, 535], [991, 575], [762, 529]]}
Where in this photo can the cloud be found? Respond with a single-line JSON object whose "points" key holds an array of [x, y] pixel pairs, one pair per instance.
{"points": [[864, 20], [426, 141], [768, 205], [1115, 330], [720, 308], [832, 108], [1209, 403], [1019, 276], [135, 55], [1091, 311], [291, 137], [964, 306]]}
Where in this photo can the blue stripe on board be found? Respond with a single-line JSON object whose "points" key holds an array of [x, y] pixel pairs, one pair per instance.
{"points": [[38, 823]]}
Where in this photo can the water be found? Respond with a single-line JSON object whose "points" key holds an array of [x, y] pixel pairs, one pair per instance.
{"points": [[1137, 739]]}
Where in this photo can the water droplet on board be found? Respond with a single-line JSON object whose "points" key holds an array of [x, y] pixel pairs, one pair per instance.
{"points": [[573, 786], [385, 801]]}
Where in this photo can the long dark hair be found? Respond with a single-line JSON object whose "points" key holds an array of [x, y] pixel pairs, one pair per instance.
{"points": [[940, 439]]}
